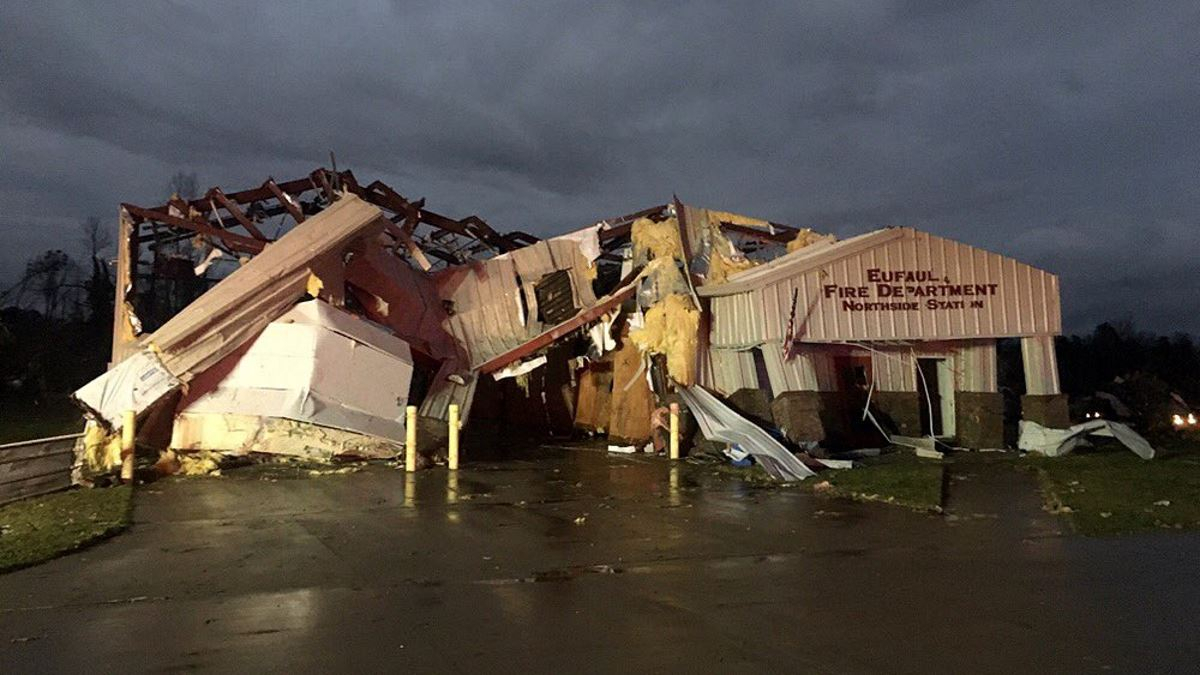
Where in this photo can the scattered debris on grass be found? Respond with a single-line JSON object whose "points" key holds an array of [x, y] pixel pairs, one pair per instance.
{"points": [[1112, 491], [897, 478]]}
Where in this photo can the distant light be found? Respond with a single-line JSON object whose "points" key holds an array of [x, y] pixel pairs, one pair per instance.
{"points": [[1191, 419], [1177, 420]]}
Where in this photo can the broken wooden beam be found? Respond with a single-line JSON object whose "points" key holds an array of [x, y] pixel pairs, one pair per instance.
{"points": [[234, 241], [285, 199], [237, 213]]}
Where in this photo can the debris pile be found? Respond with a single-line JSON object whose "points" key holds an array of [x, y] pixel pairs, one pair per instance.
{"points": [[328, 308]]}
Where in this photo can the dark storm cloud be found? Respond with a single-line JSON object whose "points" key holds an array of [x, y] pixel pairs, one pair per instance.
{"points": [[1060, 133]]}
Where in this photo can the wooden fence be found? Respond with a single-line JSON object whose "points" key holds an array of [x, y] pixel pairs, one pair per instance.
{"points": [[37, 467]]}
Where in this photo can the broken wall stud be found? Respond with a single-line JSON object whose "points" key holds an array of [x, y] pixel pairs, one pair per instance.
{"points": [[452, 453], [410, 438], [128, 434], [674, 431]]}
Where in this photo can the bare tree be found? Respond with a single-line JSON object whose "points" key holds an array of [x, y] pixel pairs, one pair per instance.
{"points": [[95, 236], [99, 287], [51, 277]]}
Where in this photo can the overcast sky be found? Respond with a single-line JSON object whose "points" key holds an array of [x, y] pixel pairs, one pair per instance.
{"points": [[1064, 134]]}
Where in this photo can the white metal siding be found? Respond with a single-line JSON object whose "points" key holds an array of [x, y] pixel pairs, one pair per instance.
{"points": [[1025, 301], [1041, 365], [733, 370], [798, 373], [735, 321], [894, 369], [976, 367]]}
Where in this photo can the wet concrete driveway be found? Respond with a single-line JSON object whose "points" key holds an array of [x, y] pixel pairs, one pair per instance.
{"points": [[574, 561]]}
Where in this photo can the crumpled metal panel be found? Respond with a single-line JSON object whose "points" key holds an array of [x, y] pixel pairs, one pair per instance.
{"points": [[719, 422], [1058, 442]]}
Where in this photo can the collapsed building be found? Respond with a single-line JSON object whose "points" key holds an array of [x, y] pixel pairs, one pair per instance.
{"points": [[301, 318]]}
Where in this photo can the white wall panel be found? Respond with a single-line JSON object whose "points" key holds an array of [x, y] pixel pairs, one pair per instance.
{"points": [[1041, 365], [893, 284], [976, 367]]}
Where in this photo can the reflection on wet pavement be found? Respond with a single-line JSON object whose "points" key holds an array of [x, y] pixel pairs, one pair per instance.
{"points": [[564, 558]]}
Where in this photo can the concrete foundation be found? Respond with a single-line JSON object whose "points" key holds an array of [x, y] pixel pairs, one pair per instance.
{"points": [[799, 415], [898, 411], [979, 419], [835, 417], [1048, 410], [432, 436]]}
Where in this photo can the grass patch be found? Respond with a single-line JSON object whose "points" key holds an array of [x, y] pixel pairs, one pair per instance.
{"points": [[41, 528], [899, 478], [1112, 491], [753, 475], [895, 478], [26, 422]]}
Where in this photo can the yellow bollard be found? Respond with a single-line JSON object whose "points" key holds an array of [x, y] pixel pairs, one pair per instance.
{"points": [[674, 431], [410, 438], [452, 459], [128, 434]]}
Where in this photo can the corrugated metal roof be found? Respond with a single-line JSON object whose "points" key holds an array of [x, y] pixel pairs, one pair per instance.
{"points": [[495, 303], [891, 284]]}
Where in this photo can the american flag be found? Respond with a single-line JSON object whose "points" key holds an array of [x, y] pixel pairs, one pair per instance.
{"points": [[789, 337]]}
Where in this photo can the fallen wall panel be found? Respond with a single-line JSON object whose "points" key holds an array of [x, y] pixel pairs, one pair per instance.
{"points": [[233, 311], [314, 364]]}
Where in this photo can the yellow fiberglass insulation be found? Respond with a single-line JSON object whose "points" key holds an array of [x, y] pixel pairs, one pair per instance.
{"points": [[737, 219], [667, 278], [805, 237], [199, 464], [671, 328], [721, 268], [720, 265], [101, 449], [659, 240]]}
